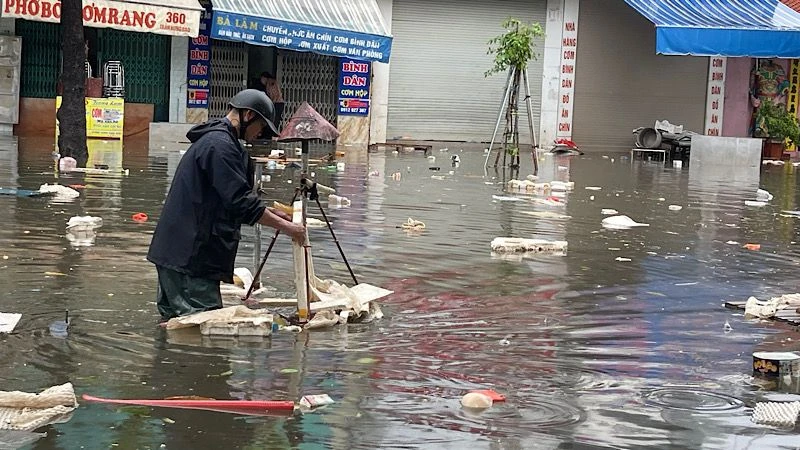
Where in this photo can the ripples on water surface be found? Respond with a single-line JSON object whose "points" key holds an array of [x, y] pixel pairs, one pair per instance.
{"points": [[590, 351]]}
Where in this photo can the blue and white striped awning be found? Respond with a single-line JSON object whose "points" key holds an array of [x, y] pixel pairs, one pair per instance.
{"points": [[755, 28], [347, 28]]}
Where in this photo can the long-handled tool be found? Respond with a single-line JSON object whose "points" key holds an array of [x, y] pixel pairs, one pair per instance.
{"points": [[266, 255], [250, 407]]}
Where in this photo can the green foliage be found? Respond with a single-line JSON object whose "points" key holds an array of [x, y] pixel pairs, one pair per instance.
{"points": [[777, 123], [514, 48]]}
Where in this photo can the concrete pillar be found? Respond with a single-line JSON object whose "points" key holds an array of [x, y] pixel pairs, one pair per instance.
{"points": [[177, 79], [379, 98]]}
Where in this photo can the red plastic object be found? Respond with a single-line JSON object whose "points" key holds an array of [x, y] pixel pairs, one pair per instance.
{"points": [[139, 217], [77, 186], [495, 396], [248, 407]]}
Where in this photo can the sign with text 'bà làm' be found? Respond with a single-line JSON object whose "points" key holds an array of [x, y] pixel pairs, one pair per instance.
{"points": [[354, 81]]}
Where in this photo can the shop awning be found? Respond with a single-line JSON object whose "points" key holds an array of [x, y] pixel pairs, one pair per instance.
{"points": [[755, 28], [347, 28], [175, 18]]}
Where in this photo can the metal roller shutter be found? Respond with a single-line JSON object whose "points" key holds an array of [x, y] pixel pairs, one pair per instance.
{"points": [[228, 74], [621, 84], [437, 90]]}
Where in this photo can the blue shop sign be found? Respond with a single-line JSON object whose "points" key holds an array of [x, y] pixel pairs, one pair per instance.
{"points": [[300, 37], [354, 80], [198, 79]]}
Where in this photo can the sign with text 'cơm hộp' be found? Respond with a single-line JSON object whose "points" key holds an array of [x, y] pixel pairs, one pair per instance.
{"points": [[354, 81], [198, 78]]}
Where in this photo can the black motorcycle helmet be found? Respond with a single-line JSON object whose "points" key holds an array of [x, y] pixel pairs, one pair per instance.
{"points": [[258, 102]]}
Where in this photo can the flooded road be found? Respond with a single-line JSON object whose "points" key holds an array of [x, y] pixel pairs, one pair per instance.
{"points": [[621, 343]]}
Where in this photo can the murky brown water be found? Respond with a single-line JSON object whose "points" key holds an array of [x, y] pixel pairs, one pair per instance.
{"points": [[589, 350]]}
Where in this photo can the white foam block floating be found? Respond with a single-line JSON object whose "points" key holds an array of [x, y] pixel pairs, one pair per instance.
{"points": [[513, 245], [8, 321], [621, 223]]}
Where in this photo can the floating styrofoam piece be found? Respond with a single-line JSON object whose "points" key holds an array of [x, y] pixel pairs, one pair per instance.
{"points": [[593, 188], [84, 223], [621, 223], [245, 276], [514, 245], [60, 192], [754, 203], [562, 185], [608, 212], [8, 321], [773, 162], [776, 414], [231, 321], [314, 401], [527, 185], [675, 207], [502, 198], [336, 200], [476, 400], [763, 195]]}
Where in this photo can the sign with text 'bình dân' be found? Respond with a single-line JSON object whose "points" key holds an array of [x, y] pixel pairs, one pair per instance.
{"points": [[354, 80], [198, 78], [121, 15]]}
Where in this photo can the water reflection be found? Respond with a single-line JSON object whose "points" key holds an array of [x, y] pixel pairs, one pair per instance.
{"points": [[588, 349]]}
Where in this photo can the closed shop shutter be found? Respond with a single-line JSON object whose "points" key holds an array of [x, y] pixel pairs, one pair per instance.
{"points": [[312, 78], [621, 84], [228, 74], [437, 90]]}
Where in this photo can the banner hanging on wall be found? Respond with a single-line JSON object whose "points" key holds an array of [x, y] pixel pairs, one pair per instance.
{"points": [[198, 78]]}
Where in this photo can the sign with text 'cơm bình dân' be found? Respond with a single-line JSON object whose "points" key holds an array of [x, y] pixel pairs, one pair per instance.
{"points": [[198, 78], [354, 81]]}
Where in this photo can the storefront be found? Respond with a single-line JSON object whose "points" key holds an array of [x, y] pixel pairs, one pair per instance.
{"points": [[692, 62], [135, 33], [621, 84], [437, 88], [304, 48]]}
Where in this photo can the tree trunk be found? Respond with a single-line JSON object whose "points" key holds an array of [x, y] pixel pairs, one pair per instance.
{"points": [[72, 113]]}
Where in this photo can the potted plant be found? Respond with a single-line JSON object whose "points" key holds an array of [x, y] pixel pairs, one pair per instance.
{"points": [[778, 126]]}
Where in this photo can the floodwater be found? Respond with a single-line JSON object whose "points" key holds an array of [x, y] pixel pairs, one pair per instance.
{"points": [[590, 351]]}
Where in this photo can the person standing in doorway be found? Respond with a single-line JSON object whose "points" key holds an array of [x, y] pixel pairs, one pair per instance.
{"points": [[269, 84], [195, 242]]}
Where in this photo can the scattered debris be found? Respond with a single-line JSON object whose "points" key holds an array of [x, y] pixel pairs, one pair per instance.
{"points": [[8, 321], [338, 201], [501, 198], [315, 401], [515, 245], [675, 207], [754, 203], [139, 217], [621, 259], [765, 309], [495, 396], [608, 212], [546, 214], [753, 247], [396, 176], [67, 164], [727, 327], [412, 224], [621, 223], [763, 195], [26, 412], [374, 173], [774, 162], [84, 223], [476, 400], [549, 201], [776, 414], [527, 185], [562, 185], [59, 192], [593, 188], [231, 321]]}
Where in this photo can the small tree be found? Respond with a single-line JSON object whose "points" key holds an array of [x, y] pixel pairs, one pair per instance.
{"points": [[72, 113], [512, 51]]}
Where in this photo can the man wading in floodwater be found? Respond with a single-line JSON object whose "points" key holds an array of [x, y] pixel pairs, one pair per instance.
{"points": [[195, 242]]}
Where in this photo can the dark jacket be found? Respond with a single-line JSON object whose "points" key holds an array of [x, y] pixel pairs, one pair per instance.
{"points": [[210, 198]]}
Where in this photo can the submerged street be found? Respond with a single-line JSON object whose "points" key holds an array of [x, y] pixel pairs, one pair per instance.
{"points": [[621, 343]]}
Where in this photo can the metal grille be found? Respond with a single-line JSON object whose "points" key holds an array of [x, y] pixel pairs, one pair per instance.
{"points": [[145, 58], [41, 56], [312, 78], [228, 74]]}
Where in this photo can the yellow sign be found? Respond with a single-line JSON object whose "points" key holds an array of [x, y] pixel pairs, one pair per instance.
{"points": [[793, 99], [104, 117]]}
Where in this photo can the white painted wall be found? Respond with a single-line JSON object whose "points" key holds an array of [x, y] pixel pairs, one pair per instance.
{"points": [[177, 79], [379, 97]]}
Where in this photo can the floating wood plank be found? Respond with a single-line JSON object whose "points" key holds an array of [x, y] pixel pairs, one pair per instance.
{"points": [[21, 192], [301, 258]]}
